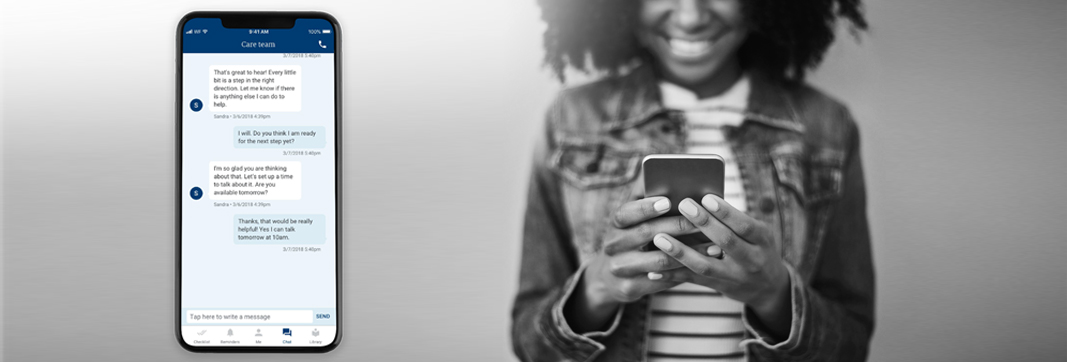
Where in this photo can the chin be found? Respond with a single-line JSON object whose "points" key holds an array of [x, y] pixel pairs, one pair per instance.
{"points": [[690, 74]]}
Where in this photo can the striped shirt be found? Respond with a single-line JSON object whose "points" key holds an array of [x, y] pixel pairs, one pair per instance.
{"points": [[692, 322]]}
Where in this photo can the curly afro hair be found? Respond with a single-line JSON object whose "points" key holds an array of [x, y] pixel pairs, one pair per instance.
{"points": [[786, 38]]}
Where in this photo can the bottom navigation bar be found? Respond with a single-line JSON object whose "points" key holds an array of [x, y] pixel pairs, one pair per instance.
{"points": [[258, 336]]}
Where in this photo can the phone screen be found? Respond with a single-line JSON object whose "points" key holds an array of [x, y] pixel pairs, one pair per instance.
{"points": [[258, 197]]}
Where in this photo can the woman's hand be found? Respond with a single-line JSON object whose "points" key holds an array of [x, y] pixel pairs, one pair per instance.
{"points": [[751, 270], [618, 273]]}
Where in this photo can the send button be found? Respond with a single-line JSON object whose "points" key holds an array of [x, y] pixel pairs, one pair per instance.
{"points": [[322, 316]]}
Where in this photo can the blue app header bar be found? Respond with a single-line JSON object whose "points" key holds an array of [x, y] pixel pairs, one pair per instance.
{"points": [[207, 35]]}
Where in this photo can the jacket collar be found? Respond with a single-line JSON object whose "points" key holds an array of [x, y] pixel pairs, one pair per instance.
{"points": [[640, 101]]}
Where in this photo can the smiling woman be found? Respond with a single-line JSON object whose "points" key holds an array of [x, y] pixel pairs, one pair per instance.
{"points": [[694, 51], [784, 38], [789, 274]]}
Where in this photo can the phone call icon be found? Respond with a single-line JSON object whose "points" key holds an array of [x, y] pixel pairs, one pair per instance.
{"points": [[320, 44]]}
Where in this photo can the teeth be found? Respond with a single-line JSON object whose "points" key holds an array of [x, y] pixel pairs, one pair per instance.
{"points": [[689, 48]]}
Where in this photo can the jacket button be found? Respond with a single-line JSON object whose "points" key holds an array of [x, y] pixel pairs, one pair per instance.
{"points": [[592, 167], [766, 205]]}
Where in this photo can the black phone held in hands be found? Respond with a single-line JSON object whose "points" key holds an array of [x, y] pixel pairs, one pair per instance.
{"points": [[681, 176]]}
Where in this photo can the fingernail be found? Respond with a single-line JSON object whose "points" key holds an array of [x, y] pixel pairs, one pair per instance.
{"points": [[662, 205], [655, 276], [662, 243], [710, 203], [688, 207], [714, 250]]}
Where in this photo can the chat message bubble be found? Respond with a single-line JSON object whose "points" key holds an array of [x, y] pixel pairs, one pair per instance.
{"points": [[279, 229], [254, 88], [279, 137], [254, 180]]}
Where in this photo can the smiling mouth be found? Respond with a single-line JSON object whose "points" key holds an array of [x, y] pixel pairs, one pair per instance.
{"points": [[689, 48]]}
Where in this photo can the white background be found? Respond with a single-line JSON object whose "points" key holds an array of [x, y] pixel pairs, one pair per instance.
{"points": [[960, 103]]}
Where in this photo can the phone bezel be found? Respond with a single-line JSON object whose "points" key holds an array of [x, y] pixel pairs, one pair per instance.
{"points": [[683, 156], [254, 16]]}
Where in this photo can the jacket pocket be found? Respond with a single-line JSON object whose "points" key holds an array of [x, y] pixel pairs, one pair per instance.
{"points": [[595, 165], [814, 175]]}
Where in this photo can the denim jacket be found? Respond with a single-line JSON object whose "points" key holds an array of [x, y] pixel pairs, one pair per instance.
{"points": [[798, 154]]}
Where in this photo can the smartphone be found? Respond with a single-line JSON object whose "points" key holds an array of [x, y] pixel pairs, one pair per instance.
{"points": [[684, 176], [258, 196]]}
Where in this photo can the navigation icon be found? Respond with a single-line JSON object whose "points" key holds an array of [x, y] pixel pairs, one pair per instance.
{"points": [[315, 332]]}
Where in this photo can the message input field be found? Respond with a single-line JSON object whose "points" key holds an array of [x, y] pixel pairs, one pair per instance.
{"points": [[222, 316]]}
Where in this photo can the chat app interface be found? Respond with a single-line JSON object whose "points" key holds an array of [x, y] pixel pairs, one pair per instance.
{"points": [[258, 181]]}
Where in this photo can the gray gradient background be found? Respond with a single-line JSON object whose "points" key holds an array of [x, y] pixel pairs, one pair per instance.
{"points": [[961, 105]]}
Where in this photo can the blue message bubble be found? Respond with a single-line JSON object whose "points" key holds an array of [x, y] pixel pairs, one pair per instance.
{"points": [[279, 137], [271, 229]]}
